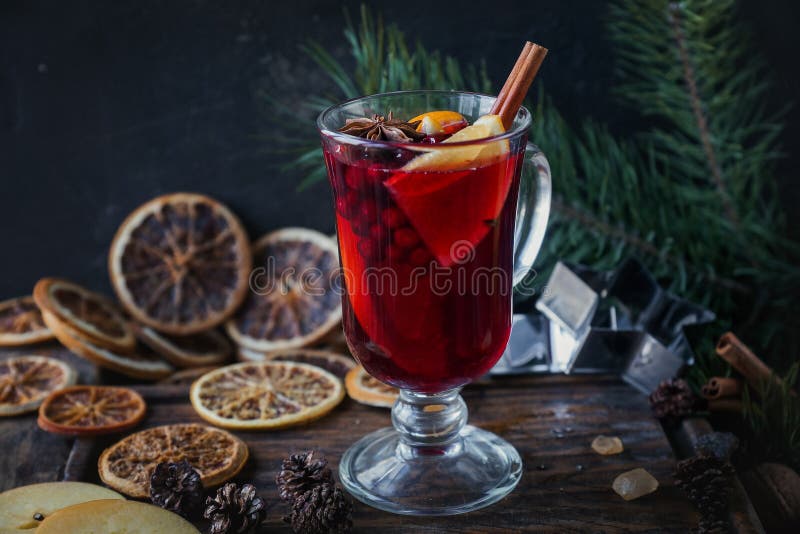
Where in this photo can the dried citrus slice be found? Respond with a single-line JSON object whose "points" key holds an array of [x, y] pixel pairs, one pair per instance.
{"points": [[198, 350], [186, 376], [21, 323], [249, 355], [180, 263], [265, 395], [25, 381], [91, 410], [91, 315], [294, 301], [364, 388], [136, 365], [215, 454], [336, 364]]}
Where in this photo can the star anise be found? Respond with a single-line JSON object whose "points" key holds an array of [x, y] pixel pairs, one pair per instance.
{"points": [[380, 128]]}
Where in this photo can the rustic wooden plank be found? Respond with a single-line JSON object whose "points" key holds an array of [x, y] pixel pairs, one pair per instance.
{"points": [[551, 420]]}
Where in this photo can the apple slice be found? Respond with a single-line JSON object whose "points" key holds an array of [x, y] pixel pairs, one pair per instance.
{"points": [[23, 508], [115, 517], [453, 194]]}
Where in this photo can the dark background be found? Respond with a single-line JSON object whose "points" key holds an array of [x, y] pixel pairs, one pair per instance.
{"points": [[104, 105]]}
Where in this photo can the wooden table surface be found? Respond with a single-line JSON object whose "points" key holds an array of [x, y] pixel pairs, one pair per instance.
{"points": [[551, 420]]}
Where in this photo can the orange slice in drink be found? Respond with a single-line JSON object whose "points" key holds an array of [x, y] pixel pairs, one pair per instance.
{"points": [[25, 381], [215, 454], [91, 410], [180, 263], [90, 315], [265, 395], [452, 195], [21, 323], [364, 388], [443, 122]]}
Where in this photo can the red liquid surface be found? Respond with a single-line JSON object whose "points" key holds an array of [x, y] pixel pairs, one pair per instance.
{"points": [[427, 267]]}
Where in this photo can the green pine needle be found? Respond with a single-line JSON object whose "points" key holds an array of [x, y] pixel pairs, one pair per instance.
{"points": [[773, 418]]}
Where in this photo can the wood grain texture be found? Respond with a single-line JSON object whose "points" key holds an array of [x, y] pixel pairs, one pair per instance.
{"points": [[551, 420]]}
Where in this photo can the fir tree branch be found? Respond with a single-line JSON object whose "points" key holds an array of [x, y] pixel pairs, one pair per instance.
{"points": [[674, 13], [639, 245]]}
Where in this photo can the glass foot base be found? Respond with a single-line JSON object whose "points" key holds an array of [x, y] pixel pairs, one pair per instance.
{"points": [[472, 471]]}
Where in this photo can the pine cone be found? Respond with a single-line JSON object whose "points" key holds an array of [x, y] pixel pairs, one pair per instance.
{"points": [[321, 510], [672, 400], [300, 473], [235, 509], [706, 480], [177, 487]]}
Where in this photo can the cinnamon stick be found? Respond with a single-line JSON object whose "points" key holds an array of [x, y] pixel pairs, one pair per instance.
{"points": [[518, 83], [721, 387], [755, 372], [516, 69]]}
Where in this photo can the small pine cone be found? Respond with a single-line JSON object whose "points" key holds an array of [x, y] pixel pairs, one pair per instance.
{"points": [[235, 509], [300, 473], [672, 400], [324, 509], [706, 480], [177, 487]]}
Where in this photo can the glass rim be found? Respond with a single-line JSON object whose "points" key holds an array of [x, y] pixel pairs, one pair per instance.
{"points": [[517, 129]]}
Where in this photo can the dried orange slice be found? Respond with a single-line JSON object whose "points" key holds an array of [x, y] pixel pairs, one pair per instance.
{"points": [[135, 365], [364, 388], [91, 410], [336, 364], [215, 454], [91, 315], [198, 350], [21, 323], [185, 377], [180, 263], [25, 381], [265, 395], [294, 301]]}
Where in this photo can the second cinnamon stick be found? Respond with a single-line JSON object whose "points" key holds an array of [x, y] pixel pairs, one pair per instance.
{"points": [[722, 387], [755, 372]]}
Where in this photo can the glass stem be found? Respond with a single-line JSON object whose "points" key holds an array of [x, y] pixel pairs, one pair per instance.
{"points": [[429, 421]]}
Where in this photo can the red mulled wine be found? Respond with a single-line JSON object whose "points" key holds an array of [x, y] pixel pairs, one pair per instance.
{"points": [[427, 264]]}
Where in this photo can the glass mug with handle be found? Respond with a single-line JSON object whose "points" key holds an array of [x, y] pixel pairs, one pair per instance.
{"points": [[432, 240]]}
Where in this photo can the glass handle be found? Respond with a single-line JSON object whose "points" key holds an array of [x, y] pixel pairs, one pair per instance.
{"points": [[533, 210]]}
